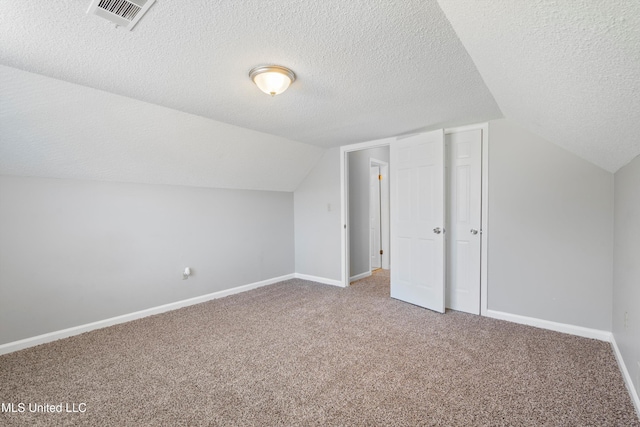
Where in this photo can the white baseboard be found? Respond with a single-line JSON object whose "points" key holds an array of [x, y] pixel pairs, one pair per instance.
{"points": [[319, 279], [359, 276], [553, 326], [76, 330], [625, 374]]}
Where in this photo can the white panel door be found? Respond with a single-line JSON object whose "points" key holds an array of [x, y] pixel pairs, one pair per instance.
{"points": [[417, 220], [374, 217], [464, 207]]}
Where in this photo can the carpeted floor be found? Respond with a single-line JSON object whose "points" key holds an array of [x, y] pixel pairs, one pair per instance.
{"points": [[300, 353]]}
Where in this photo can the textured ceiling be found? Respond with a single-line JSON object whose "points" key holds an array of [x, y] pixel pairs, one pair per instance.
{"points": [[51, 128], [170, 92], [366, 69], [566, 70]]}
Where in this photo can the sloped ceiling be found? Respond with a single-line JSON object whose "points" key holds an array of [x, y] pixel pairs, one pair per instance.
{"points": [[52, 128], [566, 70], [366, 69]]}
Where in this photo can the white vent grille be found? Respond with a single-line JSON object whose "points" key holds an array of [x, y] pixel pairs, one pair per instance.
{"points": [[121, 8], [125, 13]]}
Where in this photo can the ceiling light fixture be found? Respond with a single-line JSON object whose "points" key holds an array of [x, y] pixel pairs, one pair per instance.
{"points": [[272, 79]]}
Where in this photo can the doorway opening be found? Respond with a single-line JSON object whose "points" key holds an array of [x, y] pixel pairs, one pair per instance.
{"points": [[379, 214], [348, 203], [368, 211]]}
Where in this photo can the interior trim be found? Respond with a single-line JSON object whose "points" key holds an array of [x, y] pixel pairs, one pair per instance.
{"points": [[77, 330]]}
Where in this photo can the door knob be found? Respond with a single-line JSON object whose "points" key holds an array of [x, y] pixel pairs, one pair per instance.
{"points": [[474, 231], [436, 230]]}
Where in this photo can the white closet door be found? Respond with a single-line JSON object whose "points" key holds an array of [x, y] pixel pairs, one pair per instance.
{"points": [[417, 220], [464, 220]]}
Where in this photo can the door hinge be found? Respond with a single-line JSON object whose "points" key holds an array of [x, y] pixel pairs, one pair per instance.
{"points": [[380, 177], [381, 251]]}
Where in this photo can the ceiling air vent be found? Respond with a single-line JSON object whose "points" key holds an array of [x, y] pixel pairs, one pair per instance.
{"points": [[123, 13]]}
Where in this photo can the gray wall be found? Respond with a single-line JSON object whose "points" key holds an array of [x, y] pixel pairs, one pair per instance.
{"points": [[626, 270], [317, 219], [550, 248], [550, 222], [73, 252], [359, 206]]}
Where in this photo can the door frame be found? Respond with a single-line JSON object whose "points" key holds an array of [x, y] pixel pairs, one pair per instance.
{"points": [[385, 203], [344, 212], [344, 199]]}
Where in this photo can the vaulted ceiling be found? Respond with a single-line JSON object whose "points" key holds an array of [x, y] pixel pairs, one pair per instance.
{"points": [[172, 97], [566, 70]]}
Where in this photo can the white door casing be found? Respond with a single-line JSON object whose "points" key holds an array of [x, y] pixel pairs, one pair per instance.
{"points": [[375, 244], [417, 220], [464, 208]]}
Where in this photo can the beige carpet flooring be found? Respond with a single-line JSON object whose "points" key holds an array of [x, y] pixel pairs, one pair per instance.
{"points": [[303, 354]]}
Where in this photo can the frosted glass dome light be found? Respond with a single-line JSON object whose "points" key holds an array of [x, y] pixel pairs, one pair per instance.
{"points": [[272, 79]]}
